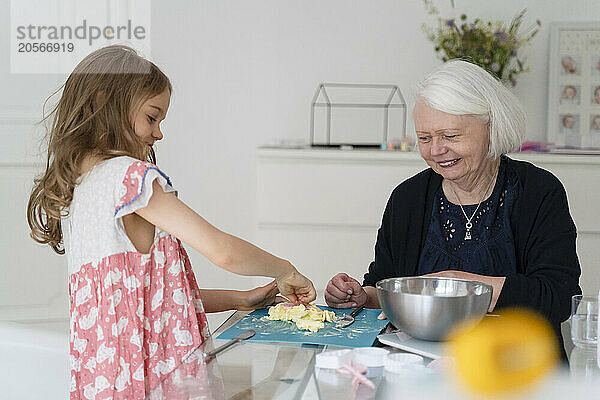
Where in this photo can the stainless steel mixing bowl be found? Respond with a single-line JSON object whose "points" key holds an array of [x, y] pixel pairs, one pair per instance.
{"points": [[429, 307]]}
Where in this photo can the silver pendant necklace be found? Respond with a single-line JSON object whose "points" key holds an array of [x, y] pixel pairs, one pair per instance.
{"points": [[469, 225]]}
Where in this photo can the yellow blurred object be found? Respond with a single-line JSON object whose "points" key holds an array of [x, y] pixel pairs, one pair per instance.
{"points": [[504, 353]]}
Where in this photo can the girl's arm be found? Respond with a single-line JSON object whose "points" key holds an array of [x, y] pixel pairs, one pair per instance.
{"points": [[243, 300], [169, 213]]}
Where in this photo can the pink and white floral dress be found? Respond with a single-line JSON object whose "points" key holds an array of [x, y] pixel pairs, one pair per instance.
{"points": [[134, 317]]}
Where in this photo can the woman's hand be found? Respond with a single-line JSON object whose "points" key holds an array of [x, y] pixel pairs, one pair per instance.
{"points": [[495, 281], [260, 297], [296, 287], [344, 291]]}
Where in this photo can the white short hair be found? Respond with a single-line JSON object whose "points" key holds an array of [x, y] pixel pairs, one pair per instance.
{"points": [[461, 88]]}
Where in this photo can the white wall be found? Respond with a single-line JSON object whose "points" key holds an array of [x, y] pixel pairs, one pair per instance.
{"points": [[244, 73]]}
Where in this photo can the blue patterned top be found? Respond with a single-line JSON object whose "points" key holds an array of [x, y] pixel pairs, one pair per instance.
{"points": [[491, 250]]}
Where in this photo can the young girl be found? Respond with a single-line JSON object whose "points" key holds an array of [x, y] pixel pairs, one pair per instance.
{"points": [[136, 310]]}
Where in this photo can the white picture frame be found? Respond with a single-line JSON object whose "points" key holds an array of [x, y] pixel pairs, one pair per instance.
{"points": [[574, 85]]}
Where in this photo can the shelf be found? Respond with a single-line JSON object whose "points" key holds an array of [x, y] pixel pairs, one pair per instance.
{"points": [[405, 156]]}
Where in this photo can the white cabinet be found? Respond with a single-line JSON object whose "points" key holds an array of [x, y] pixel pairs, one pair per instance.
{"points": [[33, 279], [321, 208]]}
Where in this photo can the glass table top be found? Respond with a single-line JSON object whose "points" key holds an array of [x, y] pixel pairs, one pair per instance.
{"points": [[256, 370]]}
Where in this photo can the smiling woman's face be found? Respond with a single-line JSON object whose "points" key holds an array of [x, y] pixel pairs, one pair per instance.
{"points": [[454, 146]]}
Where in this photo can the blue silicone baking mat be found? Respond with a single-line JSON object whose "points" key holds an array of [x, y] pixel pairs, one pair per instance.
{"points": [[362, 333]]}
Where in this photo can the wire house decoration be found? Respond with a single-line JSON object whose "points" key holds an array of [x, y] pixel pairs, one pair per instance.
{"points": [[361, 115]]}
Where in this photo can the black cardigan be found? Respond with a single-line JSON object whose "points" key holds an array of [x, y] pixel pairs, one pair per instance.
{"points": [[544, 233]]}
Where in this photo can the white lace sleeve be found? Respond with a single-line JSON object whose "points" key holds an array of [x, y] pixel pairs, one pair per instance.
{"points": [[135, 189]]}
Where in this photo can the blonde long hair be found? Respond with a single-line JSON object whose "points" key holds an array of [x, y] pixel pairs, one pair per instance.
{"points": [[93, 118]]}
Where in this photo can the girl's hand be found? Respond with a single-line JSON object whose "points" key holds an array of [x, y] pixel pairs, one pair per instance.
{"points": [[260, 297], [296, 287], [343, 291]]}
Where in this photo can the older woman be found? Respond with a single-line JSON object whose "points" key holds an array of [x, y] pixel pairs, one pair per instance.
{"points": [[475, 213]]}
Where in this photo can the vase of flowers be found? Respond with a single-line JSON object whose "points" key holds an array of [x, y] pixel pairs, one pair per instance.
{"points": [[492, 45]]}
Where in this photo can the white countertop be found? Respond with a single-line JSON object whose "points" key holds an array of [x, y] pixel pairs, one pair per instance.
{"points": [[400, 156]]}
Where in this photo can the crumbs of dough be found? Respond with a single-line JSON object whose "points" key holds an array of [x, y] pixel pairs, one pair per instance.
{"points": [[310, 318]]}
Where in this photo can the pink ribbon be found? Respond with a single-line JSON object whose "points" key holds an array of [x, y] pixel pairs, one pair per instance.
{"points": [[358, 371]]}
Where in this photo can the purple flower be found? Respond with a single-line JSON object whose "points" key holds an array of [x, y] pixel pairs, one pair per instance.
{"points": [[450, 23], [495, 67], [501, 36]]}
